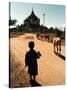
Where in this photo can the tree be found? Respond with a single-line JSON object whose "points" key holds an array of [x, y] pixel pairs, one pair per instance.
{"points": [[51, 30], [58, 32], [12, 22]]}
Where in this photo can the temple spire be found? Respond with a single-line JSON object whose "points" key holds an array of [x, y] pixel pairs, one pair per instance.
{"points": [[32, 11]]}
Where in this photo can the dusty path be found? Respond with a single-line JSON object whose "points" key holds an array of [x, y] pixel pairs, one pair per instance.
{"points": [[50, 66]]}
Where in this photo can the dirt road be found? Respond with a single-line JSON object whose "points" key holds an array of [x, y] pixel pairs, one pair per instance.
{"points": [[51, 68]]}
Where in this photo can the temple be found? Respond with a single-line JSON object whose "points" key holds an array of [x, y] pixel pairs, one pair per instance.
{"points": [[32, 21]]}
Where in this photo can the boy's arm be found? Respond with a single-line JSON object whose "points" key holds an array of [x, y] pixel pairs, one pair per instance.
{"points": [[38, 54]]}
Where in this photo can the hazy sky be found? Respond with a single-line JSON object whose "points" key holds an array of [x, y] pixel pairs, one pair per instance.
{"points": [[54, 14]]}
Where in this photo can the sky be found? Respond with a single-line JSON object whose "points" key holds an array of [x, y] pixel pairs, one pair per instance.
{"points": [[54, 14]]}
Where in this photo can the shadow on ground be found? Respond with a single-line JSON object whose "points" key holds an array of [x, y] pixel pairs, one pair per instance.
{"points": [[59, 55], [34, 83]]}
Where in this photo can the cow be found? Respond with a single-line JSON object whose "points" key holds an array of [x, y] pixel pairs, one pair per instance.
{"points": [[57, 44], [42, 37], [46, 37]]}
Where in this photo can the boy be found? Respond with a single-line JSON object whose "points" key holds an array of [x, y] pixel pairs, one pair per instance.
{"points": [[31, 61]]}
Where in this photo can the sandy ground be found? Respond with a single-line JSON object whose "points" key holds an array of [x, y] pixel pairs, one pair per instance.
{"points": [[51, 68]]}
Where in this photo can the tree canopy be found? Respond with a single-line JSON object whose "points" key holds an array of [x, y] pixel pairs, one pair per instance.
{"points": [[12, 22]]}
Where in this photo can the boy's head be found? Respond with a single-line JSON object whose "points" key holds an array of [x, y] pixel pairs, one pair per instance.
{"points": [[31, 44]]}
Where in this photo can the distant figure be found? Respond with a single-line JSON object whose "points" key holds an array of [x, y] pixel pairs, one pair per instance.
{"points": [[46, 37], [38, 36], [31, 61], [57, 44]]}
